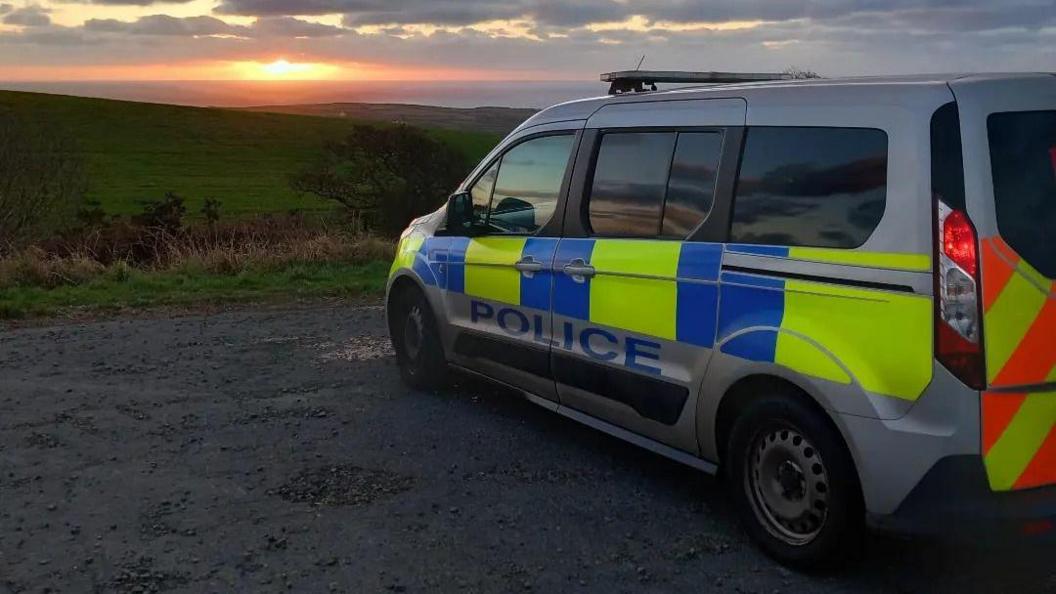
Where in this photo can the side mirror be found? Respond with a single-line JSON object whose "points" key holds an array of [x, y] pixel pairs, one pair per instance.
{"points": [[461, 220]]}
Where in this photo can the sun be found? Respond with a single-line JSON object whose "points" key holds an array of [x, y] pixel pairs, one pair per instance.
{"points": [[283, 69]]}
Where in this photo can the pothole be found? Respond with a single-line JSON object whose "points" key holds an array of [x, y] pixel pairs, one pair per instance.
{"points": [[343, 485]]}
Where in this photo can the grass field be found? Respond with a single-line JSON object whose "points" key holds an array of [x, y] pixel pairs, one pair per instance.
{"points": [[137, 289], [138, 151]]}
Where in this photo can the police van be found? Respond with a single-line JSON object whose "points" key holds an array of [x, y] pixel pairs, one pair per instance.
{"points": [[837, 292]]}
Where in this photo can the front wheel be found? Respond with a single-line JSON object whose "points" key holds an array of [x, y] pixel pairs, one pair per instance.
{"points": [[416, 340], [794, 483]]}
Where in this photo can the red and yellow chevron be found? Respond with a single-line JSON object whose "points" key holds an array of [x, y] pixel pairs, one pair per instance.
{"points": [[1019, 428]]}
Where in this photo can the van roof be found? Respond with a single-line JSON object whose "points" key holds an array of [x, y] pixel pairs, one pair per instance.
{"points": [[881, 90]]}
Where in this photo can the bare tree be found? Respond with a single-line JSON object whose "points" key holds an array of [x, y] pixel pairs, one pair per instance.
{"points": [[384, 175], [42, 182]]}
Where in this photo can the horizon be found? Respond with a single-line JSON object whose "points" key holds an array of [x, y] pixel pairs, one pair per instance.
{"points": [[241, 94]]}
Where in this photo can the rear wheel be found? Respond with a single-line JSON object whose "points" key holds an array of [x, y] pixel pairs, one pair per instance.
{"points": [[416, 340], [794, 483]]}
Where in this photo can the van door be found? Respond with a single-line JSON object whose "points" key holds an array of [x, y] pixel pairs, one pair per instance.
{"points": [[499, 283], [635, 300], [1009, 135]]}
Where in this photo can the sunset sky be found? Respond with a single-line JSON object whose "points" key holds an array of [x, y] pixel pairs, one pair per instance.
{"points": [[511, 39]]}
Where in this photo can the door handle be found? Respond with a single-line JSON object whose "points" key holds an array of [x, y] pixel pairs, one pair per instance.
{"points": [[579, 270], [529, 266]]}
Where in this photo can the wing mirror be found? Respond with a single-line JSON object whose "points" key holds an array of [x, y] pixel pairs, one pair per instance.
{"points": [[461, 220]]}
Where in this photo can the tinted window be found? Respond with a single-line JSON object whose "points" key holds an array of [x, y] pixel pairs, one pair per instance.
{"points": [[822, 187], [481, 193], [947, 165], [528, 183], [1023, 160], [643, 178], [630, 181], [691, 189]]}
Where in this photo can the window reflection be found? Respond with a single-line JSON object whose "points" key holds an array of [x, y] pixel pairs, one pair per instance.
{"points": [[822, 187], [528, 183]]}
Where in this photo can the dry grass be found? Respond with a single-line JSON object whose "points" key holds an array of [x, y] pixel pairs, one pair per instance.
{"points": [[35, 268], [262, 245]]}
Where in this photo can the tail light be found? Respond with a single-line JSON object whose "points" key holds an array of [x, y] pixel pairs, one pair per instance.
{"points": [[958, 317]]}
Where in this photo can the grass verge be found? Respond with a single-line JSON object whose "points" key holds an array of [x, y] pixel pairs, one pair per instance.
{"points": [[124, 288]]}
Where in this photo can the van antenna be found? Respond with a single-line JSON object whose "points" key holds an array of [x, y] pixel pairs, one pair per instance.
{"points": [[640, 62]]}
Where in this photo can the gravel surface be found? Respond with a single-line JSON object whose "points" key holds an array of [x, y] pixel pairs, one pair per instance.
{"points": [[276, 450]]}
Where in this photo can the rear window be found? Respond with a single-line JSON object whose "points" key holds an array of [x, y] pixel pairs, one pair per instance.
{"points": [[818, 187], [1023, 161]]}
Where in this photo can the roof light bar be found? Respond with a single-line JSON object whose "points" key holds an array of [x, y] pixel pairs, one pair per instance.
{"points": [[641, 80]]}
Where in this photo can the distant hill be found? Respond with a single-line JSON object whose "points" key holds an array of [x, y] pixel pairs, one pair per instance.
{"points": [[139, 151], [499, 120]]}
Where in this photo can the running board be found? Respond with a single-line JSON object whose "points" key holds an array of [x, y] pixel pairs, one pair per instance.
{"points": [[605, 427], [629, 436]]}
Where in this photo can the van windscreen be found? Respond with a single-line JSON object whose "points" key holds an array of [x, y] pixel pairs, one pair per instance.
{"points": [[1023, 160]]}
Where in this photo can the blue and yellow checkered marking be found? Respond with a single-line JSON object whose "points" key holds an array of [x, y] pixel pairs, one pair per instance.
{"points": [[673, 291], [843, 257], [572, 299], [656, 288], [535, 290], [750, 302], [881, 339]]}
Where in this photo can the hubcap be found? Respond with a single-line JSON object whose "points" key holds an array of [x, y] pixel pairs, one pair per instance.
{"points": [[412, 333], [788, 485]]}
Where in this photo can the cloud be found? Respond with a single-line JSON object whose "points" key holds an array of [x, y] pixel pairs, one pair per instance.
{"points": [[206, 26], [436, 12], [287, 7], [556, 39], [136, 2], [161, 24], [974, 14], [27, 16], [291, 27]]}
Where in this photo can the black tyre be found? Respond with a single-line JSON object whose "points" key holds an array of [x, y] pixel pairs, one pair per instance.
{"points": [[416, 340], [794, 484]]}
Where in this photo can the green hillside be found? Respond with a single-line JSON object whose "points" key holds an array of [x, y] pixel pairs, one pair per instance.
{"points": [[139, 151]]}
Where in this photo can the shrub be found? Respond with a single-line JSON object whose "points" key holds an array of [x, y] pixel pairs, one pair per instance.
{"points": [[42, 182], [384, 176], [164, 215], [211, 210]]}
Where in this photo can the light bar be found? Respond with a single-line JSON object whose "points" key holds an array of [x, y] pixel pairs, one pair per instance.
{"points": [[637, 80]]}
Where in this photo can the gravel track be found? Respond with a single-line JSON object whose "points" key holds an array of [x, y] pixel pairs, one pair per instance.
{"points": [[274, 450]]}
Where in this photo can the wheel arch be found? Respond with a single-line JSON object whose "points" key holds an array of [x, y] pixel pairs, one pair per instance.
{"points": [[714, 429], [402, 283]]}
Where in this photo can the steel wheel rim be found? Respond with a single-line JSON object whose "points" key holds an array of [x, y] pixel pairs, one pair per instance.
{"points": [[787, 484], [412, 333]]}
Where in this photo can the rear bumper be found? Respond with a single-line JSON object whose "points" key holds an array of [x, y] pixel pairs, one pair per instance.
{"points": [[954, 499]]}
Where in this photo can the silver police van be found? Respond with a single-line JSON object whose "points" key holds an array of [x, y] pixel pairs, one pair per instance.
{"points": [[839, 293]]}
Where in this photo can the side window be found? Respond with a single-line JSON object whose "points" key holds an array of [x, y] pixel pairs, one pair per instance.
{"points": [[691, 189], [630, 181], [481, 193], [653, 184], [818, 187], [527, 184]]}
